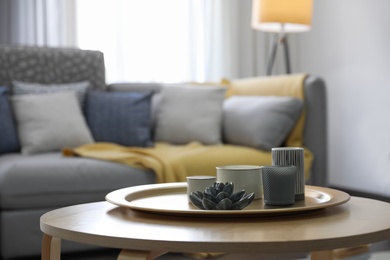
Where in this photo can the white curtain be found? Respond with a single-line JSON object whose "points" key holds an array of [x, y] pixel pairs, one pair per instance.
{"points": [[214, 39], [142, 40], [145, 40], [223, 43], [38, 22], [163, 40]]}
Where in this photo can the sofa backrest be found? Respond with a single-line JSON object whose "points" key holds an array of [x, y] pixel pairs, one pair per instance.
{"points": [[47, 65]]}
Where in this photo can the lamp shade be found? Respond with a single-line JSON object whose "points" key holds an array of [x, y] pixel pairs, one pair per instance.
{"points": [[282, 15]]}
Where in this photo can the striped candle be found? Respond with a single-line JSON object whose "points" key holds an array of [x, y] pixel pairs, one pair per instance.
{"points": [[292, 156]]}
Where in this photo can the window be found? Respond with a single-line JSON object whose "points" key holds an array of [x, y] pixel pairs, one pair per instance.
{"points": [[146, 40], [142, 40]]}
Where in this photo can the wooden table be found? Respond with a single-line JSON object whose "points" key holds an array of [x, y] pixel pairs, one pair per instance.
{"points": [[146, 236]]}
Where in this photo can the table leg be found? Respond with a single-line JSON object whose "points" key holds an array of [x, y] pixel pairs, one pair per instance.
{"points": [[127, 254], [51, 248], [321, 255]]}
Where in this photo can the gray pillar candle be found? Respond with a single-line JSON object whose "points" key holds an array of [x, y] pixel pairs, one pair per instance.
{"points": [[279, 185], [292, 156]]}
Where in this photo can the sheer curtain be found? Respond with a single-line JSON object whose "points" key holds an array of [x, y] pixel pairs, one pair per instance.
{"points": [[37, 22], [161, 40], [214, 39], [143, 40]]}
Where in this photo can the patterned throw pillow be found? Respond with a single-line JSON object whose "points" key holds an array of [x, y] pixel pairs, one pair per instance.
{"points": [[80, 88], [9, 141], [120, 117]]}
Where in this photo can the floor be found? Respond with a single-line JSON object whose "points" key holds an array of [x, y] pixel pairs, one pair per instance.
{"points": [[379, 251], [112, 254]]}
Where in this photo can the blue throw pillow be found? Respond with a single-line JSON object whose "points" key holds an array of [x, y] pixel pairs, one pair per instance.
{"points": [[120, 117], [9, 140]]}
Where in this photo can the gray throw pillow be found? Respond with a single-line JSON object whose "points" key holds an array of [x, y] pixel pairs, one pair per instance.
{"points": [[262, 122], [50, 122], [188, 113], [81, 88]]}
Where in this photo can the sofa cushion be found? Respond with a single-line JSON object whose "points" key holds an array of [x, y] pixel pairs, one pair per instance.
{"points": [[188, 113], [261, 122], [9, 141], [49, 122], [50, 180], [279, 85], [122, 118], [141, 86], [35, 88]]}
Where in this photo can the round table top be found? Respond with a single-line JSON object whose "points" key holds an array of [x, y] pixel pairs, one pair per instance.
{"points": [[359, 221]]}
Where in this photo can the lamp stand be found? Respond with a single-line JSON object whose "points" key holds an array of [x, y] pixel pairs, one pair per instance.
{"points": [[279, 38]]}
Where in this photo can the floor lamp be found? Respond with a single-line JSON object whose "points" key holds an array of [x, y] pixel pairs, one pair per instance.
{"points": [[281, 17]]}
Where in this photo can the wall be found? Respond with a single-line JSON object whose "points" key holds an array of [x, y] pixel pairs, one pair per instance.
{"points": [[348, 47]]}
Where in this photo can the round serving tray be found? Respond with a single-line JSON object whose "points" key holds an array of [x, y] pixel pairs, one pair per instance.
{"points": [[171, 199]]}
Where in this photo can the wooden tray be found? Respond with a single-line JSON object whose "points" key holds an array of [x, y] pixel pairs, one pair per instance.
{"points": [[171, 199]]}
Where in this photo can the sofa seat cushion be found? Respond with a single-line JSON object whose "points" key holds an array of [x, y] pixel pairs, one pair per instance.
{"points": [[50, 180]]}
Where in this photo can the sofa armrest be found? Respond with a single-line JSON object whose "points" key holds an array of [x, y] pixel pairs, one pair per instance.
{"points": [[315, 130]]}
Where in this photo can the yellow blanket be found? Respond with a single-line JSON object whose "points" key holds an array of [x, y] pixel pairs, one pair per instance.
{"points": [[173, 163]]}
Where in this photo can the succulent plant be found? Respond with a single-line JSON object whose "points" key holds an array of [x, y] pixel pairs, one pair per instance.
{"points": [[220, 196]]}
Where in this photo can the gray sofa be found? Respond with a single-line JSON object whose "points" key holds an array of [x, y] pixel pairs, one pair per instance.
{"points": [[31, 185]]}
